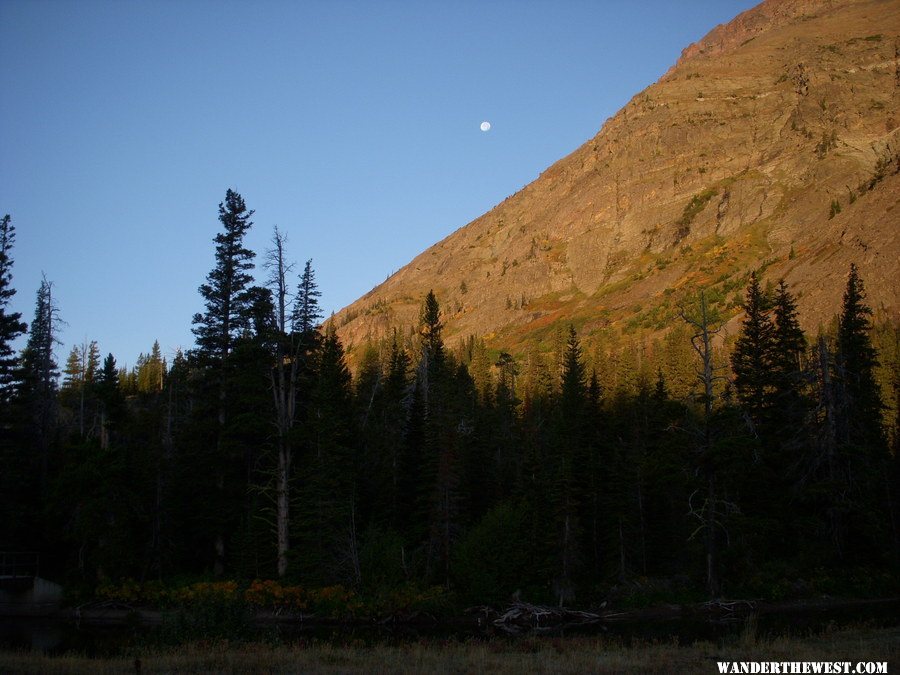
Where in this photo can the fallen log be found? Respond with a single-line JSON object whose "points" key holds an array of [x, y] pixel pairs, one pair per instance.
{"points": [[526, 615]]}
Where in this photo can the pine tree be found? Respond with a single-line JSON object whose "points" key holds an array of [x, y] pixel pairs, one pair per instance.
{"points": [[790, 402], [229, 300], [506, 427], [479, 366], [862, 455], [536, 487], [226, 289], [857, 361], [73, 373], [73, 386], [571, 466], [18, 504], [537, 385], [442, 425], [77, 392], [306, 314], [328, 521], [397, 467], [151, 371], [573, 379], [306, 339], [39, 374], [415, 468], [430, 328], [753, 358], [112, 402], [790, 342], [92, 369], [11, 325]]}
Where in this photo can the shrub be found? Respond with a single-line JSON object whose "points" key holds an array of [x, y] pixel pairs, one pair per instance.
{"points": [[697, 203], [272, 594], [493, 560]]}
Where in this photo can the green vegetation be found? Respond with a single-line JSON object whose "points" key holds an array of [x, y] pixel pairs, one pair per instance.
{"points": [[869, 38], [885, 165], [232, 599], [835, 208], [691, 210], [826, 144]]}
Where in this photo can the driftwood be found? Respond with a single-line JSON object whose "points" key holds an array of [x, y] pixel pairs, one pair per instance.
{"points": [[729, 606], [728, 611], [400, 618], [521, 615]]}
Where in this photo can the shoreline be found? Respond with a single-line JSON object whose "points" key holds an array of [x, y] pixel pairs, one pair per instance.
{"points": [[116, 613]]}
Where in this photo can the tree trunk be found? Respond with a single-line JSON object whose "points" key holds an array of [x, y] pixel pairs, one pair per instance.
{"points": [[104, 431], [219, 543], [283, 506], [712, 552]]}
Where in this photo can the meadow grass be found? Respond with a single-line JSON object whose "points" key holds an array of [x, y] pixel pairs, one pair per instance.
{"points": [[525, 655]]}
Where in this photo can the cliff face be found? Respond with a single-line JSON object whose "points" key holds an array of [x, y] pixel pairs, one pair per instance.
{"points": [[773, 143]]}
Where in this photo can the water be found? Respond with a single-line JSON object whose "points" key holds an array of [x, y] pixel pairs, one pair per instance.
{"points": [[45, 635]]}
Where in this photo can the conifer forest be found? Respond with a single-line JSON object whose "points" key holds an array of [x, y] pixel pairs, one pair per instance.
{"points": [[756, 464]]}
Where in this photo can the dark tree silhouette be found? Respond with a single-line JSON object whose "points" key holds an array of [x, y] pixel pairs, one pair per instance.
{"points": [[11, 324]]}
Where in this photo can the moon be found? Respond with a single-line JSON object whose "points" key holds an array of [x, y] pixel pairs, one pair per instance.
{"points": [[485, 126]]}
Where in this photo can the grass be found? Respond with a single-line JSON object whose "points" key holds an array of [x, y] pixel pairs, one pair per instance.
{"points": [[533, 655]]}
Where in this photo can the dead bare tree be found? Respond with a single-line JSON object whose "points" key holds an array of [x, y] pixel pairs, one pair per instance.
{"points": [[713, 510], [283, 379]]}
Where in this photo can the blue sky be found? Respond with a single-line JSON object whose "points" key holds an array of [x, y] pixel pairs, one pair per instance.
{"points": [[353, 126]]}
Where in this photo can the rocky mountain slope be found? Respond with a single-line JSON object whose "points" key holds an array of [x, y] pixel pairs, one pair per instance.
{"points": [[773, 144]]}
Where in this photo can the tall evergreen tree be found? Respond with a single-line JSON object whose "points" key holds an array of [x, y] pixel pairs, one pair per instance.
{"points": [[573, 379], [77, 391], [430, 329], [151, 371], [15, 486], [112, 403], [443, 427], [398, 467], [506, 427], [790, 342], [11, 324], [307, 314], [753, 358], [229, 298], [790, 398], [328, 520], [857, 361], [39, 373], [571, 467], [860, 430], [73, 373], [226, 291]]}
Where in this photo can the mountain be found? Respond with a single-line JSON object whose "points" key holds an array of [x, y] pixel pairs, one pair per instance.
{"points": [[773, 144]]}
